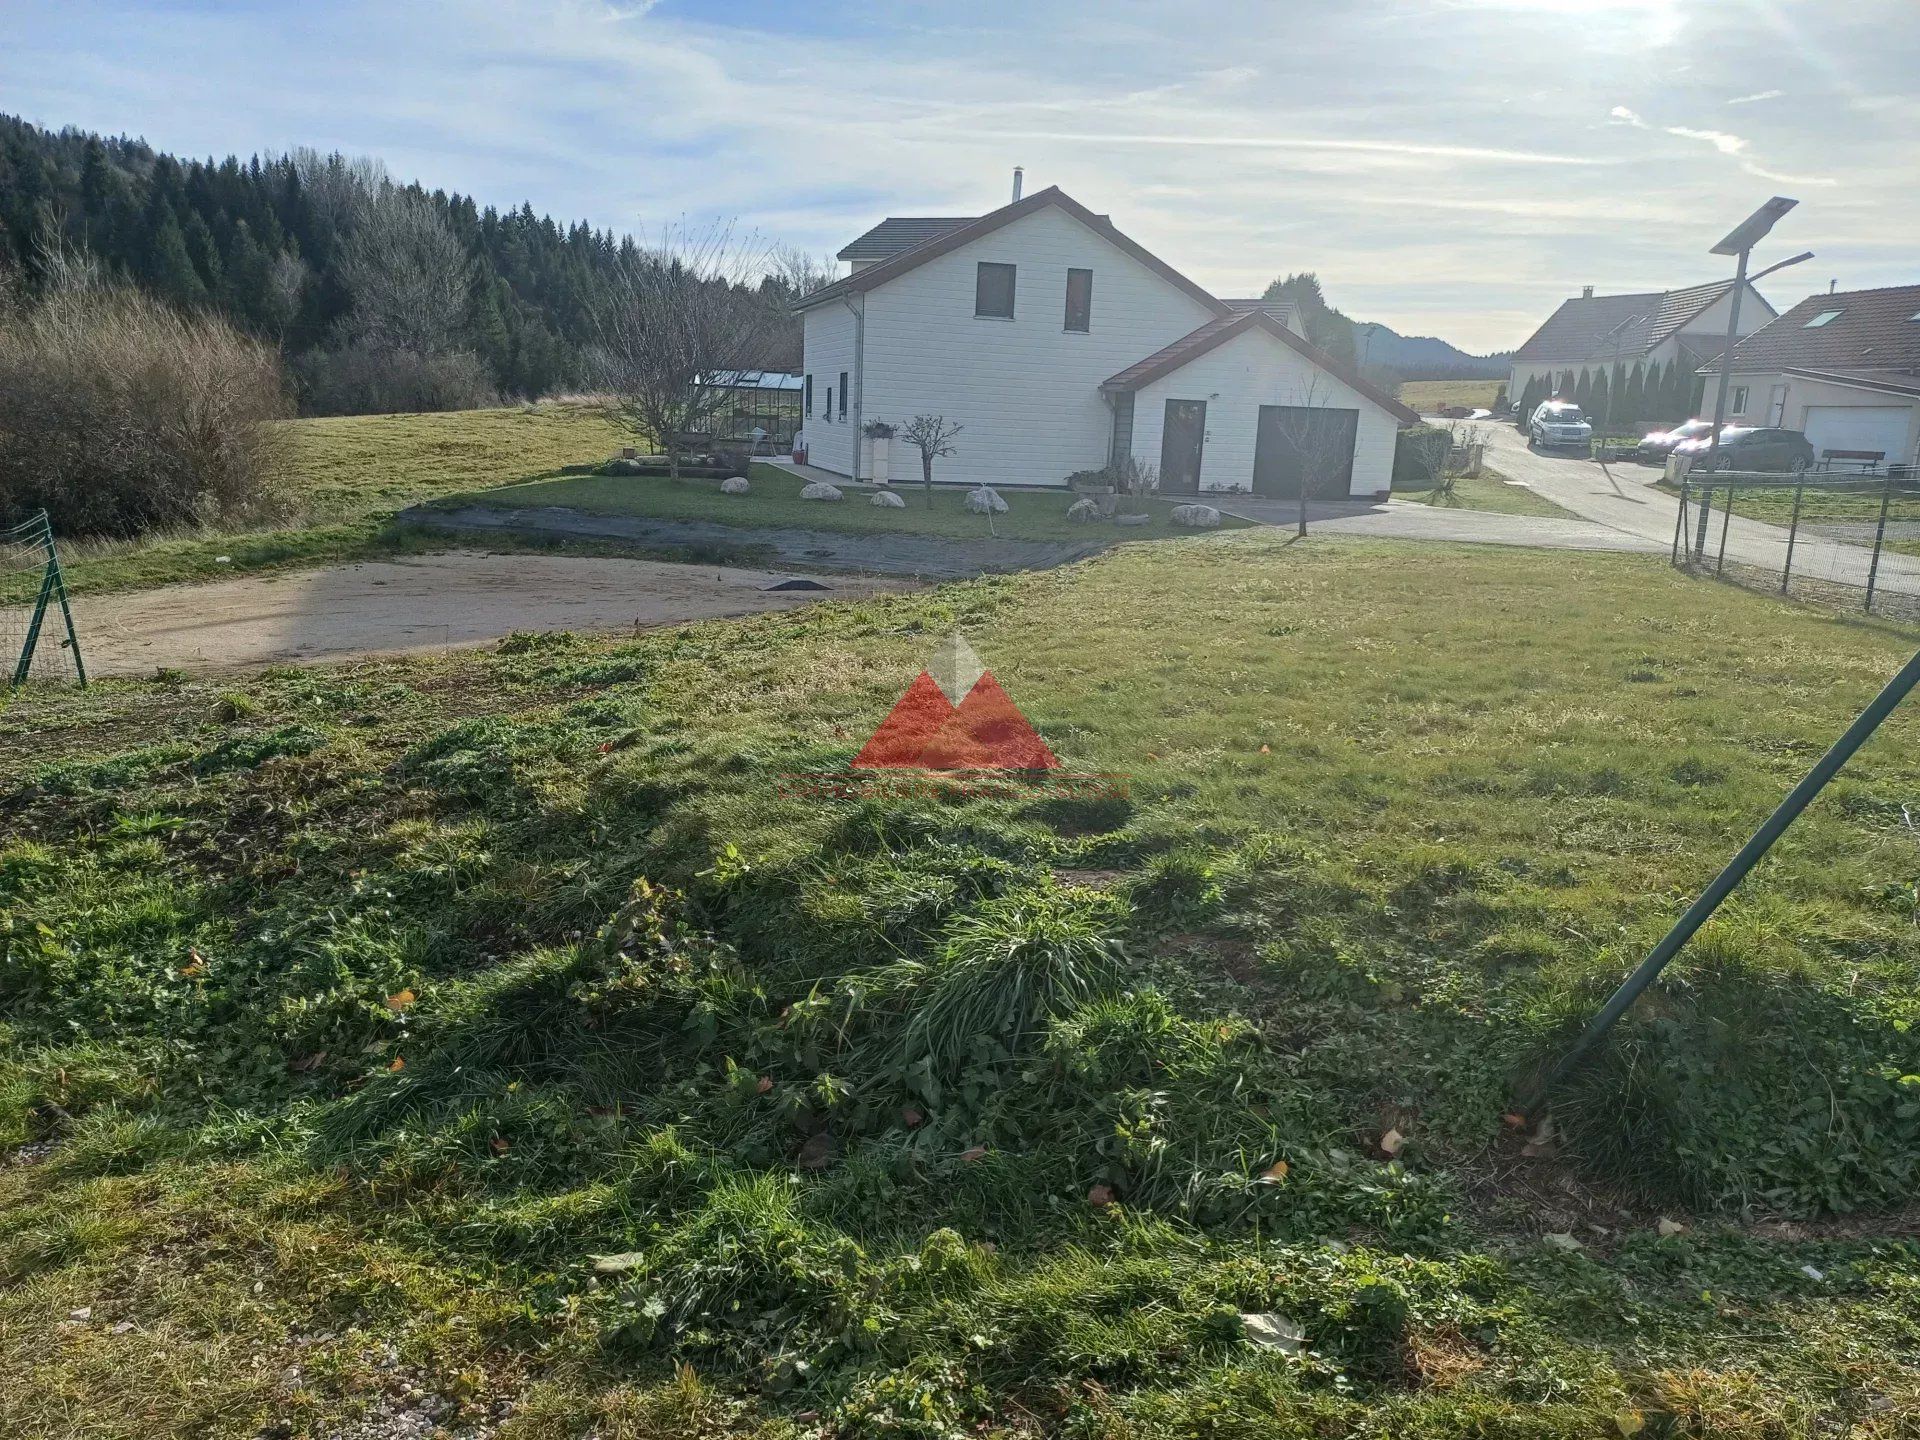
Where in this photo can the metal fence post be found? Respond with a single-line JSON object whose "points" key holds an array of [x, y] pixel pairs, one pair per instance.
{"points": [[1793, 530], [1706, 508], [1680, 519], [1879, 538], [1726, 519]]}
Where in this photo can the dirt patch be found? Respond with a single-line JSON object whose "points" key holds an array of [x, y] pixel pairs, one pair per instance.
{"points": [[436, 602]]}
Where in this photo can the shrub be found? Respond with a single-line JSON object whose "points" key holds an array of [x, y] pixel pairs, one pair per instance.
{"points": [[368, 379], [120, 415], [1419, 456]]}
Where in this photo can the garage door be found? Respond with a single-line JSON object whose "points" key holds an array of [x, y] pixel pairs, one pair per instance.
{"points": [[1884, 428]]}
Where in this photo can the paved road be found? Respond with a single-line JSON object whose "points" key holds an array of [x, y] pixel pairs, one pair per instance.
{"points": [[1411, 520], [1622, 497]]}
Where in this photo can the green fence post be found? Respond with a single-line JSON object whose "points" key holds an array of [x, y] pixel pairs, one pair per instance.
{"points": [[1879, 538], [1793, 530]]}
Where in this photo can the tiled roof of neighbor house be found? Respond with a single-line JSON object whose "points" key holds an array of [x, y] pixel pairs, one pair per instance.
{"points": [[1584, 328], [1875, 330], [898, 233], [881, 271], [1218, 331]]}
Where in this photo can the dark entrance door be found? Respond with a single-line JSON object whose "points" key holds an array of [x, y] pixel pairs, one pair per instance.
{"points": [[1181, 437], [1307, 444]]}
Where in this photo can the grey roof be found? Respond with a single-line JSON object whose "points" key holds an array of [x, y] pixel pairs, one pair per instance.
{"points": [[899, 233], [1875, 330], [1584, 328], [1281, 310]]}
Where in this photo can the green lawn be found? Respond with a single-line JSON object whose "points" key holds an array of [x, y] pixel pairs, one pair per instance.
{"points": [[345, 476], [1853, 505], [1488, 491], [501, 1027], [775, 502]]}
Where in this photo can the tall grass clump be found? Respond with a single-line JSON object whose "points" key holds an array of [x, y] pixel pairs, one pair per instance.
{"points": [[120, 415]]}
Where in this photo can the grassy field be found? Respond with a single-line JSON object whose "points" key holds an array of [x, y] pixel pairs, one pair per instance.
{"points": [[346, 476], [1853, 505], [775, 501], [1488, 491], [496, 1038], [1427, 396]]}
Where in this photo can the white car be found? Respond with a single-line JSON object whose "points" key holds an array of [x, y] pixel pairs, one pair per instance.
{"points": [[1559, 423]]}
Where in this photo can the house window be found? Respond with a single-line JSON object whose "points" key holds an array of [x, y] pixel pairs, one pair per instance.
{"points": [[993, 291], [1739, 399], [1825, 317], [809, 405], [1080, 300], [843, 394]]}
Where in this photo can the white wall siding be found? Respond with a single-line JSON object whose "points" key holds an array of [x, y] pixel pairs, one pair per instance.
{"points": [[828, 349], [1026, 390], [1235, 380]]}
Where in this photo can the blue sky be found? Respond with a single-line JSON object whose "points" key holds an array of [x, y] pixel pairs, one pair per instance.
{"points": [[1450, 167]]}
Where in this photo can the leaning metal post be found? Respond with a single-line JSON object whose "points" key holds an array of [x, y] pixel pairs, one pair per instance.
{"points": [[1879, 538], [1793, 530], [1680, 520], [1762, 840]]}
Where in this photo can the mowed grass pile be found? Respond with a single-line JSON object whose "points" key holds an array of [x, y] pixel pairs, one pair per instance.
{"points": [[775, 501], [492, 1028], [346, 476]]}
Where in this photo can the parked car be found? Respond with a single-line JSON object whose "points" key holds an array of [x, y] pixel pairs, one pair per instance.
{"points": [[1558, 423], [1655, 448], [1751, 447]]}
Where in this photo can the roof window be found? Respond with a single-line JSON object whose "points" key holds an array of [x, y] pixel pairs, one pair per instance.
{"points": [[1825, 317]]}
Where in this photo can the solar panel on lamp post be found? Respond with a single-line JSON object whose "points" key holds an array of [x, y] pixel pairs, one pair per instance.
{"points": [[1739, 241]]}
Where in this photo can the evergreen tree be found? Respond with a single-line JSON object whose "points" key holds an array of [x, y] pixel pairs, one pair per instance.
{"points": [[170, 269], [1583, 390]]}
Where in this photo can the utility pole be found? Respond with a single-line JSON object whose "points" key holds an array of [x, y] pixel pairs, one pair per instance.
{"points": [[1740, 242]]}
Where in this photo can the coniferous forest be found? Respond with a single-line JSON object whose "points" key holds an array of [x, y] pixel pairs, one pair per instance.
{"points": [[380, 296]]}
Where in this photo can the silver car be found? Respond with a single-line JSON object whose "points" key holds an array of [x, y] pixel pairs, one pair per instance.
{"points": [[1559, 423]]}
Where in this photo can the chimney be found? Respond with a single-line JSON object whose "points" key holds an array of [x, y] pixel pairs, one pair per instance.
{"points": [[1019, 174], [1832, 286], [1586, 292]]}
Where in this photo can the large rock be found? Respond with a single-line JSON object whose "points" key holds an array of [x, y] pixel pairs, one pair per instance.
{"points": [[1195, 517], [622, 465], [984, 501], [887, 500], [820, 490], [735, 485], [1083, 512]]}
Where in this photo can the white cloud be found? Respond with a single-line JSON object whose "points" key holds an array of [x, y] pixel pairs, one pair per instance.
{"points": [[1757, 97], [1726, 144], [1621, 115]]}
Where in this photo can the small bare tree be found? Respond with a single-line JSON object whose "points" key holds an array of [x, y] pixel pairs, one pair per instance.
{"points": [[408, 275], [932, 436], [676, 328], [1315, 438]]}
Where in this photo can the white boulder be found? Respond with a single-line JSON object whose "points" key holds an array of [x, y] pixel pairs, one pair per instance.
{"points": [[985, 501], [1083, 512], [820, 490], [887, 500], [1195, 517], [735, 485]]}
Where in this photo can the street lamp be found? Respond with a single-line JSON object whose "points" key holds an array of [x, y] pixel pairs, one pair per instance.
{"points": [[1740, 241]]}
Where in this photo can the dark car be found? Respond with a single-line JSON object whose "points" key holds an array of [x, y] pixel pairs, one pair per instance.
{"points": [[1655, 448], [1742, 447]]}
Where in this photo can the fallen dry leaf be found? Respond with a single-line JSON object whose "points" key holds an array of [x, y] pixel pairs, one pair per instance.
{"points": [[400, 1000], [498, 1146], [1274, 1173], [1670, 1227], [1514, 1120], [817, 1153], [978, 1152], [1100, 1196], [1266, 750], [1391, 1142], [399, 1063], [763, 1085], [1628, 1422], [1273, 1331], [912, 1118], [303, 1063]]}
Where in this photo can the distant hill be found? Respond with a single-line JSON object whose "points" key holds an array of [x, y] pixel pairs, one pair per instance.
{"points": [[1422, 357]]}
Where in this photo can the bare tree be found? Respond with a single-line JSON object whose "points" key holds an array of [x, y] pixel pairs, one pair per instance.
{"points": [[1316, 438], [932, 436], [676, 327], [286, 283], [408, 274], [800, 274]]}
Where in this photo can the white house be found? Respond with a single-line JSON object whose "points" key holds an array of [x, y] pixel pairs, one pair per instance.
{"points": [[1058, 344], [1652, 328], [1842, 367]]}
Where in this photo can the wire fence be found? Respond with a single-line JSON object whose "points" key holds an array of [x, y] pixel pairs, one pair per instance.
{"points": [[1844, 539], [37, 639]]}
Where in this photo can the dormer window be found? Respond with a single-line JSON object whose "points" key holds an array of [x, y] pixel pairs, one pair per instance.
{"points": [[1825, 317]]}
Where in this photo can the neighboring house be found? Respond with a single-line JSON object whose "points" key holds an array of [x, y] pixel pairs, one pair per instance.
{"points": [[1656, 328], [1059, 344], [1844, 368]]}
